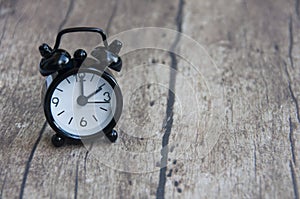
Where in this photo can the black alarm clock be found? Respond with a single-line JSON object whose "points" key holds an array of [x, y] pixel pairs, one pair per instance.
{"points": [[81, 101]]}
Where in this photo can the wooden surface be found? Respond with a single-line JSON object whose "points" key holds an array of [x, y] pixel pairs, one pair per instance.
{"points": [[241, 141]]}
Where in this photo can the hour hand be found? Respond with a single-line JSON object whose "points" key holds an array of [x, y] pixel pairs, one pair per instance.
{"points": [[95, 92]]}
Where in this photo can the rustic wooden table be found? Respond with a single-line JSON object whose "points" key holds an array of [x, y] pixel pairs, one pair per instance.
{"points": [[225, 125]]}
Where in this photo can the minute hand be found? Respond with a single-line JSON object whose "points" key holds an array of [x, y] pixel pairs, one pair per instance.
{"points": [[99, 102], [95, 92]]}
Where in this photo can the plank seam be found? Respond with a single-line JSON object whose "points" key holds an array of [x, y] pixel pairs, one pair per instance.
{"points": [[76, 182], [2, 187], [266, 87], [295, 101], [28, 164], [297, 8], [160, 192], [3, 30], [294, 180], [17, 83], [291, 42], [255, 159], [292, 142], [85, 161], [70, 9], [112, 16]]}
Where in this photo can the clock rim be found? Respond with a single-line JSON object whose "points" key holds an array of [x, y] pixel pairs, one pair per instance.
{"points": [[59, 78]]}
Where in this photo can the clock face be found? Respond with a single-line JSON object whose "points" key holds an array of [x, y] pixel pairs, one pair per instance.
{"points": [[83, 103]]}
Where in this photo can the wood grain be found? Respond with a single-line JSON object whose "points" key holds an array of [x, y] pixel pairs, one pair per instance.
{"points": [[221, 124]]}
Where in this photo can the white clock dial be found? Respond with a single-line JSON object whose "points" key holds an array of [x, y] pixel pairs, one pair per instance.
{"points": [[83, 104]]}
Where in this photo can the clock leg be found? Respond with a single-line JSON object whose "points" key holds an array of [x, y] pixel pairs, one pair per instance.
{"points": [[112, 136], [58, 140]]}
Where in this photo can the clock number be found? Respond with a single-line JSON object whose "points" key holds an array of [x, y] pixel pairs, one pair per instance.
{"points": [[83, 122], [55, 101], [108, 97]]}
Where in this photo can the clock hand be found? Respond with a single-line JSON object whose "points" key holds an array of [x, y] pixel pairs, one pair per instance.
{"points": [[81, 88], [95, 92], [81, 76], [98, 102]]}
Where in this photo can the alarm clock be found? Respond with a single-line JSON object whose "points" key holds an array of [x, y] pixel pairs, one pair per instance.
{"points": [[81, 101]]}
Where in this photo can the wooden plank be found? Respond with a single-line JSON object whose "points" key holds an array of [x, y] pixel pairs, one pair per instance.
{"points": [[76, 174], [254, 156], [231, 130]]}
